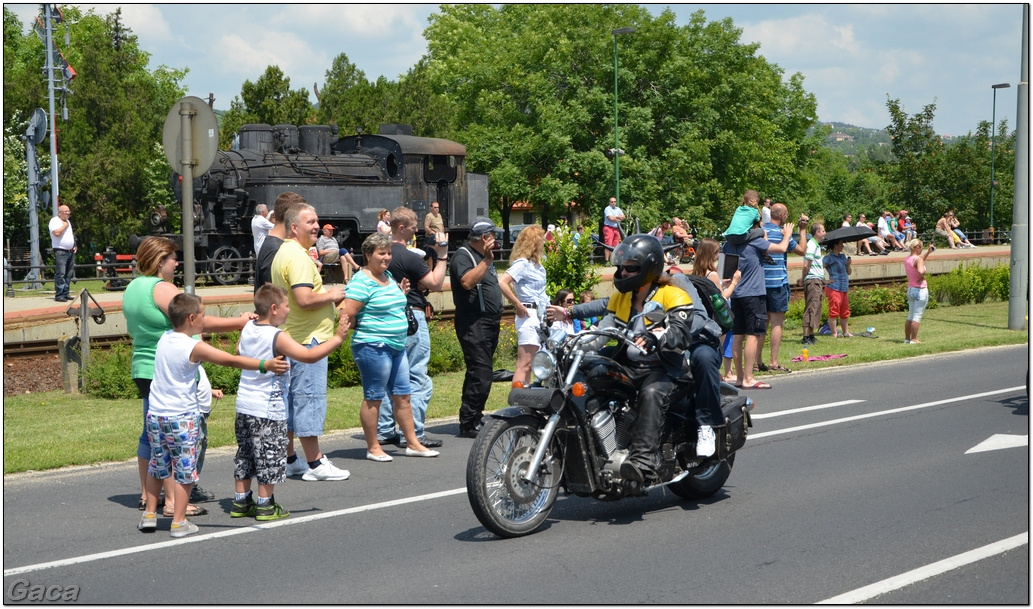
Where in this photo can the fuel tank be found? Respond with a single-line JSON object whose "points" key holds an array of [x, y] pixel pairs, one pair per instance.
{"points": [[607, 378]]}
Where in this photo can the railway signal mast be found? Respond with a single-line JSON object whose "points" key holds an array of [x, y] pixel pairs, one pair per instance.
{"points": [[59, 74]]}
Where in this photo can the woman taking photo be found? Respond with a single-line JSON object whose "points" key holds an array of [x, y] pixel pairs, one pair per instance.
{"points": [[146, 309], [917, 289], [377, 304], [523, 284]]}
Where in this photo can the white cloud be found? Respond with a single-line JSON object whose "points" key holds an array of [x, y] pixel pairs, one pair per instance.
{"points": [[805, 38], [145, 20]]}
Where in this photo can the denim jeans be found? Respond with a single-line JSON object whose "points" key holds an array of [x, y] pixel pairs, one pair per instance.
{"points": [[417, 348], [63, 267], [384, 370], [306, 399]]}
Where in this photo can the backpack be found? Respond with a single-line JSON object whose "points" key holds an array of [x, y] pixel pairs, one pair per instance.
{"points": [[706, 290]]}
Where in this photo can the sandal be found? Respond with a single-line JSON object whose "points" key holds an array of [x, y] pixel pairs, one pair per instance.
{"points": [[780, 368], [192, 510], [143, 502]]}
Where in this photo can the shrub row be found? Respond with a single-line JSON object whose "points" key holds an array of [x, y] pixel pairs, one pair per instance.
{"points": [[108, 375]]}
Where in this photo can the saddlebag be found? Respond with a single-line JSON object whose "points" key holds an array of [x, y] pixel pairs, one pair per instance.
{"points": [[736, 409]]}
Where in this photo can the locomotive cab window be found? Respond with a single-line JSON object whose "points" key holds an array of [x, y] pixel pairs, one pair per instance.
{"points": [[438, 167]]}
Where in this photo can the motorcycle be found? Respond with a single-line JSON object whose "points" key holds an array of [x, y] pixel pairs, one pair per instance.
{"points": [[571, 428]]}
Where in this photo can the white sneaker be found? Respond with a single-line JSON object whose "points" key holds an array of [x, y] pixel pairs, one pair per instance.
{"points": [[297, 468], [326, 471], [706, 441], [183, 529]]}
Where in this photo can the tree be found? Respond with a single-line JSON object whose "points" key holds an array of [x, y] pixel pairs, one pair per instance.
{"points": [[917, 151], [269, 100], [703, 118], [115, 117]]}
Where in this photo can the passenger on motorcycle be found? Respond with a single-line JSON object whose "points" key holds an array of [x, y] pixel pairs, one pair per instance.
{"points": [[657, 363]]}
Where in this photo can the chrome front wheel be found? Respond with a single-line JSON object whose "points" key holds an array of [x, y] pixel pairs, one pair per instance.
{"points": [[504, 502]]}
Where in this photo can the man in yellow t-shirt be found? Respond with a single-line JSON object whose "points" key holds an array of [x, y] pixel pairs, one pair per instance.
{"points": [[310, 322]]}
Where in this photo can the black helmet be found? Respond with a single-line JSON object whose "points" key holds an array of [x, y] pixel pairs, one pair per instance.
{"points": [[642, 250]]}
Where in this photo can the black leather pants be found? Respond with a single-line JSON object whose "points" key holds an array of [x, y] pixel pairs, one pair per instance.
{"points": [[656, 392]]}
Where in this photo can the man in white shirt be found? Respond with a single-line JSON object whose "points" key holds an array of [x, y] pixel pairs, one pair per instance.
{"points": [[260, 226], [63, 242]]}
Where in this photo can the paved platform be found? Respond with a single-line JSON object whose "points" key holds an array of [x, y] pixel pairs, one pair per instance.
{"points": [[39, 317]]}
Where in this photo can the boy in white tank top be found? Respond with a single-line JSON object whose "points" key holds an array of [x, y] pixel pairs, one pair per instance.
{"points": [[261, 425], [171, 423]]}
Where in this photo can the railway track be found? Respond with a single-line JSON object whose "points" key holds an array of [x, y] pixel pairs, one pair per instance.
{"points": [[36, 348]]}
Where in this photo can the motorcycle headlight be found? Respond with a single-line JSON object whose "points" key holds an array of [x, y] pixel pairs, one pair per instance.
{"points": [[543, 365]]}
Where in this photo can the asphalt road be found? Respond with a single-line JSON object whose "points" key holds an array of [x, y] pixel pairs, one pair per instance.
{"points": [[856, 485]]}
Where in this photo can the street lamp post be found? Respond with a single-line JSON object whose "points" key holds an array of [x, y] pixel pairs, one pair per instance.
{"points": [[993, 153], [616, 137]]}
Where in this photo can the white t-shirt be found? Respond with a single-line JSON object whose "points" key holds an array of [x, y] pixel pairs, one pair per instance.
{"points": [[174, 388], [66, 241], [259, 229], [261, 395], [611, 210], [204, 391]]}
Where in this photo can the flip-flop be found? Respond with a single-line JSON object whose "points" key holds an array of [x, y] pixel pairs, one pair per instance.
{"points": [[759, 385]]}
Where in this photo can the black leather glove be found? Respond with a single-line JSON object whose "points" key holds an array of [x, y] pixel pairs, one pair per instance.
{"points": [[651, 341]]}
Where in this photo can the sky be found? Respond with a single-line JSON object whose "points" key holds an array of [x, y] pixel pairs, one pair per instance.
{"points": [[852, 56]]}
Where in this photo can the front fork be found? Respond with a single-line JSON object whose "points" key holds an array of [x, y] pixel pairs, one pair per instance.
{"points": [[543, 445]]}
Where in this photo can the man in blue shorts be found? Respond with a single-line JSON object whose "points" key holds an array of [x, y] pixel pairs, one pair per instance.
{"points": [[749, 305], [776, 282]]}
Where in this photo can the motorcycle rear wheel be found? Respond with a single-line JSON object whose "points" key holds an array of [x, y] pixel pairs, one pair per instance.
{"points": [[506, 505], [706, 483]]}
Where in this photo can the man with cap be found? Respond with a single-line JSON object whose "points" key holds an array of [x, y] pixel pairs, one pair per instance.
{"points": [[478, 314]]}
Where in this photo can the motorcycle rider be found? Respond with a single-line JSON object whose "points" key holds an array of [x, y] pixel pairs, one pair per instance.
{"points": [[657, 362], [638, 279]]}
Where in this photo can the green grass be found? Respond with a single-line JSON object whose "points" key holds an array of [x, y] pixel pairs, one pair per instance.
{"points": [[943, 329], [45, 430]]}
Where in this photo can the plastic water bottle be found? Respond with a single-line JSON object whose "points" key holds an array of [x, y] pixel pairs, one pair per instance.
{"points": [[724, 316], [871, 329], [805, 355]]}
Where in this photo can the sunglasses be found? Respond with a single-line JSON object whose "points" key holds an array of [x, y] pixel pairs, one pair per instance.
{"points": [[568, 301]]}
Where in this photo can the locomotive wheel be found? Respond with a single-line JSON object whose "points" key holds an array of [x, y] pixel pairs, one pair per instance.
{"points": [[705, 483], [504, 503], [225, 266]]}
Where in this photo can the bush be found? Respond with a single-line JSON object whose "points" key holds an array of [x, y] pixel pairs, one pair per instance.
{"points": [[109, 374], [568, 265], [970, 284]]}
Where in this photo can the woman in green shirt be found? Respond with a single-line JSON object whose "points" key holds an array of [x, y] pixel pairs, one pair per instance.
{"points": [[145, 305]]}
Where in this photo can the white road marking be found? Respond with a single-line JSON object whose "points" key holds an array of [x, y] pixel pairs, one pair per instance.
{"points": [[782, 413], [999, 441], [779, 432], [227, 533], [922, 573]]}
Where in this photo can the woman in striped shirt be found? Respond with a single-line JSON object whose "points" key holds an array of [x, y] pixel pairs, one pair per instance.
{"points": [[377, 304]]}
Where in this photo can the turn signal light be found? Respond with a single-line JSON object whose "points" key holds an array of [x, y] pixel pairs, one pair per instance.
{"points": [[518, 384], [578, 389]]}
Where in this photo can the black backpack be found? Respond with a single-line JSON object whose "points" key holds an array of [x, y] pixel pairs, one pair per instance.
{"points": [[706, 290]]}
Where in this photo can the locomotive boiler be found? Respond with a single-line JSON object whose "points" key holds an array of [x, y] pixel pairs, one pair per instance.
{"points": [[348, 180]]}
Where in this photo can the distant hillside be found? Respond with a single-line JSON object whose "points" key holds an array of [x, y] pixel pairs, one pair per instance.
{"points": [[850, 139]]}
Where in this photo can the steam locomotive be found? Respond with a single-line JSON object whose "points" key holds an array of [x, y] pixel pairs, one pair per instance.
{"points": [[348, 180]]}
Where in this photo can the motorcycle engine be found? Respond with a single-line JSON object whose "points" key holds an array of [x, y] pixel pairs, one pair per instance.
{"points": [[611, 428]]}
